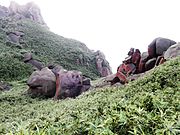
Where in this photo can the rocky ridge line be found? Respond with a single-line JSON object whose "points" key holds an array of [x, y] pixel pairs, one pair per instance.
{"points": [[29, 11]]}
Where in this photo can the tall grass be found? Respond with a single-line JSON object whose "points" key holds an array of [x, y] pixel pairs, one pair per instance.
{"points": [[149, 105]]}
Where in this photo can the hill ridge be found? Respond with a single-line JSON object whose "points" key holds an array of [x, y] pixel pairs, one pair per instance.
{"points": [[18, 36]]}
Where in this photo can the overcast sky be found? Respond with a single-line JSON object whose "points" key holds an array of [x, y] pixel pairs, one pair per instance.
{"points": [[112, 26]]}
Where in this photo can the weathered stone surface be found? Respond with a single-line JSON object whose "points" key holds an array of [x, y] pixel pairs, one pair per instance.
{"points": [[42, 83], [159, 45], [15, 36], [27, 57], [86, 84], [162, 44], [103, 81], [105, 71], [29, 11], [144, 56], [4, 12], [72, 84], [102, 65], [172, 51]]}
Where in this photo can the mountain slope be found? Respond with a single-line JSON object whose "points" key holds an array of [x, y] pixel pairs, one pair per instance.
{"points": [[22, 29], [45, 46], [149, 105]]}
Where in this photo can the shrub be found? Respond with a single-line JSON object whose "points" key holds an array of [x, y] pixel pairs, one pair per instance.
{"points": [[146, 106]]}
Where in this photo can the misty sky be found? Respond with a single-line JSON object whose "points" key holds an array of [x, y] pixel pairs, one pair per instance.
{"points": [[112, 26]]}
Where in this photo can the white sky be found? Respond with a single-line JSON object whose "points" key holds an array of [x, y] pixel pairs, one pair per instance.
{"points": [[112, 26]]}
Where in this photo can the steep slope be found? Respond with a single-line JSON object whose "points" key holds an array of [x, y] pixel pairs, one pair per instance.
{"points": [[22, 31], [149, 105]]}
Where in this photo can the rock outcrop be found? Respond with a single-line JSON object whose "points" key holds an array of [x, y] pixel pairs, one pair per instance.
{"points": [[4, 11], [102, 64], [15, 36], [29, 11], [24, 36], [172, 51], [158, 46]]}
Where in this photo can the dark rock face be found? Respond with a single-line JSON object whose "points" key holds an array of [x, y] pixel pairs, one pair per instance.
{"points": [[29, 11], [156, 49], [86, 84], [102, 65], [162, 44], [158, 46], [150, 64]]}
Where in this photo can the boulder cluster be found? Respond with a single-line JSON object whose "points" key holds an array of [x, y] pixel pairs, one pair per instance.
{"points": [[159, 50], [54, 81]]}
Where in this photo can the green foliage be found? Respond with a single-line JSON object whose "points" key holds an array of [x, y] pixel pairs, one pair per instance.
{"points": [[11, 64], [149, 105], [45, 46], [12, 68]]}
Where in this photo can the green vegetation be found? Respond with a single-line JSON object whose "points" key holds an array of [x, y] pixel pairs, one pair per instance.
{"points": [[149, 105], [45, 46]]}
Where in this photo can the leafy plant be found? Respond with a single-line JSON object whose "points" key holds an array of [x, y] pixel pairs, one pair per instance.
{"points": [[146, 106]]}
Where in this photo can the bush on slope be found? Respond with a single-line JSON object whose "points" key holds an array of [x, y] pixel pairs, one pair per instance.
{"points": [[149, 105]]}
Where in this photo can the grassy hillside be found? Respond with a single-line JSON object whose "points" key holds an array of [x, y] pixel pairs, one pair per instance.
{"points": [[45, 46], [150, 105]]}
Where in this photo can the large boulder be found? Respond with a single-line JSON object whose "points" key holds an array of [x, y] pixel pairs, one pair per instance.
{"points": [[158, 46], [162, 44], [72, 84], [172, 51], [42, 83]]}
